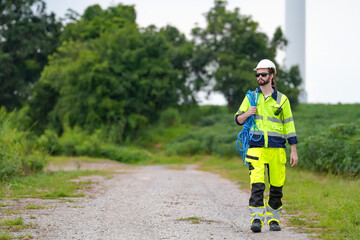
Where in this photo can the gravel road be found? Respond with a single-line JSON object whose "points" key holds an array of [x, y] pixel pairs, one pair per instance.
{"points": [[154, 202]]}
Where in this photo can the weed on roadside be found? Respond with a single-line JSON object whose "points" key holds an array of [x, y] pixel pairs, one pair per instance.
{"points": [[8, 226], [193, 220], [32, 207]]}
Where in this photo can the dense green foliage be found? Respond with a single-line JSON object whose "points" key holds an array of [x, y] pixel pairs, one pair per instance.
{"points": [[20, 153], [117, 81], [328, 136], [111, 76], [335, 150], [214, 135], [28, 35], [77, 142], [229, 47], [108, 74], [209, 130], [95, 21]]}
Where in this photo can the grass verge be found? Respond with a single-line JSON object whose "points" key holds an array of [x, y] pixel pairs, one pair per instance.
{"points": [[46, 185]]}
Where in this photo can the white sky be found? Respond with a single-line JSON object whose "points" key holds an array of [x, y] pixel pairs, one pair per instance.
{"points": [[332, 35]]}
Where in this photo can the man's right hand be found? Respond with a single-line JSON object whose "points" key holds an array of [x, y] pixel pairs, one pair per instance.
{"points": [[252, 110], [242, 118]]}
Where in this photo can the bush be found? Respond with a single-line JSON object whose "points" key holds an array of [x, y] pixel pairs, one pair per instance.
{"points": [[77, 142], [335, 150], [50, 141], [193, 114], [20, 153], [209, 120], [124, 154], [170, 117], [188, 147]]}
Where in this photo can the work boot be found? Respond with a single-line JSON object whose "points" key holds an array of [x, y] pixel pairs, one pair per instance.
{"points": [[256, 225], [274, 226]]}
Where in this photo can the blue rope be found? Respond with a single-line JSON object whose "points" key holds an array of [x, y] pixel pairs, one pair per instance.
{"points": [[247, 132]]}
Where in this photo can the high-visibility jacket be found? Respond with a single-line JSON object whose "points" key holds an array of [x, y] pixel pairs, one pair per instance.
{"points": [[275, 130]]}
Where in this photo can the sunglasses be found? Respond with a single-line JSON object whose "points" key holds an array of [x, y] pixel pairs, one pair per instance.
{"points": [[262, 74]]}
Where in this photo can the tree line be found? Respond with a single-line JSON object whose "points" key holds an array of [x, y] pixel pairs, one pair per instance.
{"points": [[102, 71]]}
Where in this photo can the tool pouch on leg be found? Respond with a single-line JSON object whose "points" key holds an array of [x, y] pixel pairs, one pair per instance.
{"points": [[256, 167]]}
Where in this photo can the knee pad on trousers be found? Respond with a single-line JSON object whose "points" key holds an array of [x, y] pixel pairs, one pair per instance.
{"points": [[275, 197], [257, 195]]}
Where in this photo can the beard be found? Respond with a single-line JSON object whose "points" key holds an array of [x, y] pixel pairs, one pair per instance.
{"points": [[263, 82]]}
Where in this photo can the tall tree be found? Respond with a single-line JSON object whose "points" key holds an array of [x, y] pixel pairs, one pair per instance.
{"points": [[228, 48], [120, 78], [180, 53], [96, 21], [27, 36]]}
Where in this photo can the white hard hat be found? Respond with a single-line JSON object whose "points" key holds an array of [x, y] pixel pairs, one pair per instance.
{"points": [[265, 63]]}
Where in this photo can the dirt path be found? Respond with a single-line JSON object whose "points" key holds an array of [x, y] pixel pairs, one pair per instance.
{"points": [[154, 202]]}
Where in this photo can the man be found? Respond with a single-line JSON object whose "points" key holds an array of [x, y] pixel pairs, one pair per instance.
{"points": [[274, 119]]}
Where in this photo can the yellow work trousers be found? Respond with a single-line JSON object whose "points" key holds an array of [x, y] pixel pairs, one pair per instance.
{"points": [[273, 160]]}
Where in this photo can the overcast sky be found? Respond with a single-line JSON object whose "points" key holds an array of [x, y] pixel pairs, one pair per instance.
{"points": [[332, 35]]}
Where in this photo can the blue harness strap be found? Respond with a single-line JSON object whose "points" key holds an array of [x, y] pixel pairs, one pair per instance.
{"points": [[247, 132]]}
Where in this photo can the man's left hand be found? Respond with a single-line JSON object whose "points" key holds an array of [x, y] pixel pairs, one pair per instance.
{"points": [[293, 158]]}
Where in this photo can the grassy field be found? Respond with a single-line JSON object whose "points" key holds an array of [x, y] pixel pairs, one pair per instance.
{"points": [[310, 119]]}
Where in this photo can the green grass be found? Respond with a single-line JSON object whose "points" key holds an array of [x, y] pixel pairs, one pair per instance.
{"points": [[311, 119], [12, 223], [330, 203], [3, 204], [193, 220], [161, 135], [5, 236], [63, 160], [50, 185], [8, 226], [33, 207], [320, 204]]}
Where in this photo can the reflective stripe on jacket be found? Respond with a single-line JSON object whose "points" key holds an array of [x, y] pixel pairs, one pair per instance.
{"points": [[275, 130]]}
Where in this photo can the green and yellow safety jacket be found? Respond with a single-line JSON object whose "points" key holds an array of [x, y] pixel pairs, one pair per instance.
{"points": [[275, 130]]}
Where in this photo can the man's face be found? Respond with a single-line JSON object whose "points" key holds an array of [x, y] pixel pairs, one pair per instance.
{"points": [[263, 76]]}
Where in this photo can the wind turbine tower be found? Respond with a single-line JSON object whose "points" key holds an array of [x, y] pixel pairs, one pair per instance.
{"points": [[295, 33]]}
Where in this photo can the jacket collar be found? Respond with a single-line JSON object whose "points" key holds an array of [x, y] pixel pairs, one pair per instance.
{"points": [[273, 95]]}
